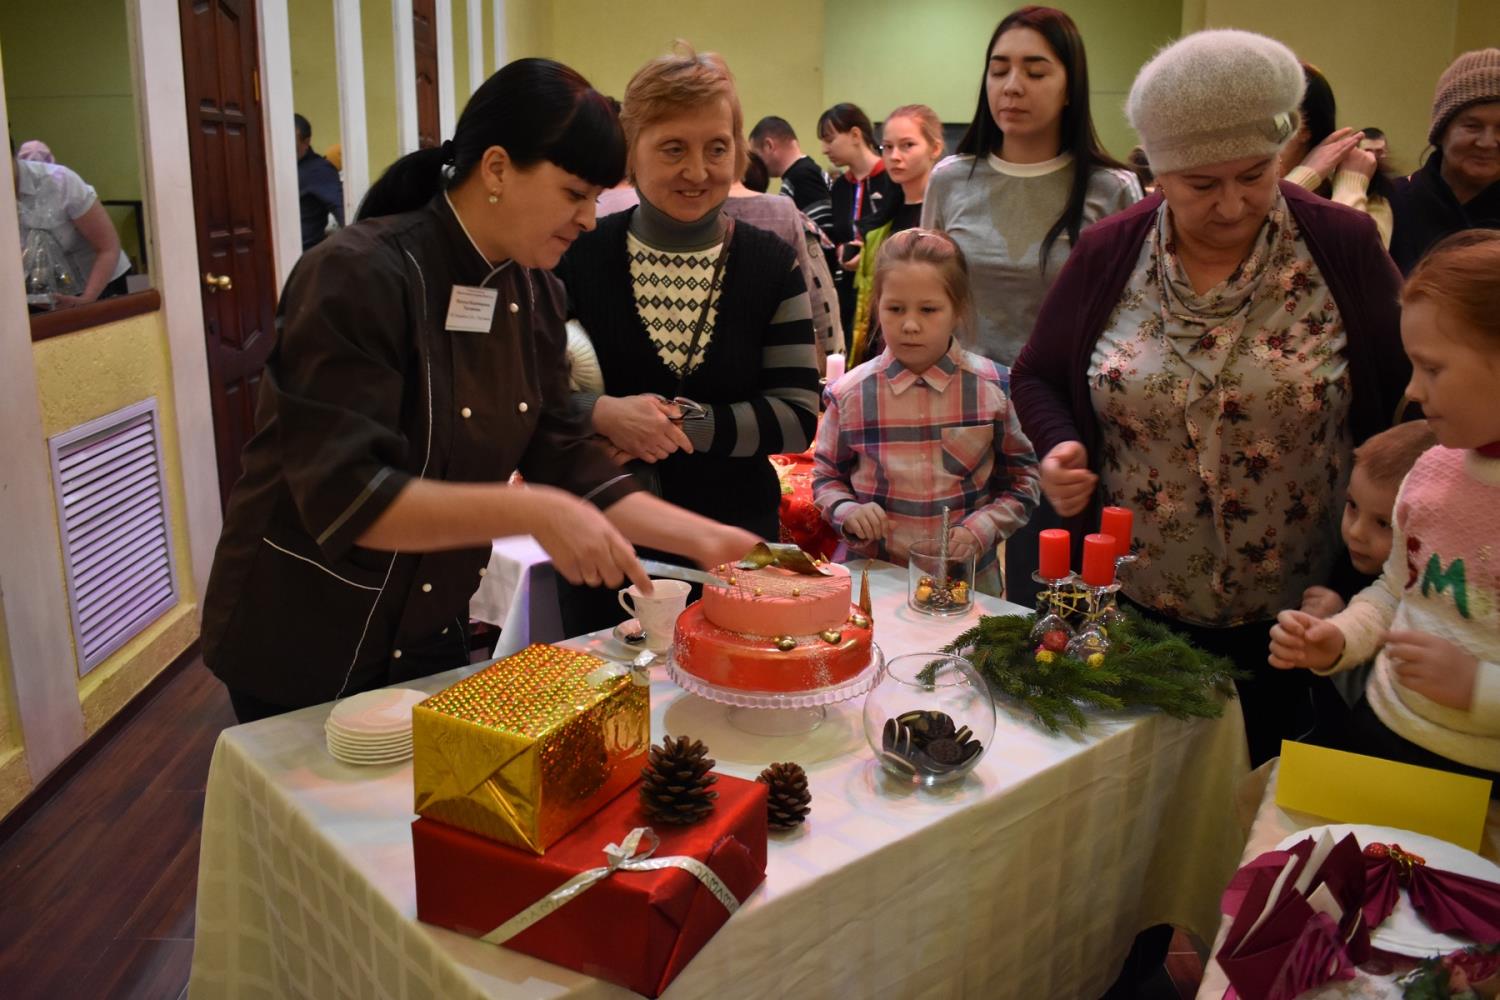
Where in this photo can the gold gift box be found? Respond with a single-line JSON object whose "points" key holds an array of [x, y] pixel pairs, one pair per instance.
{"points": [[531, 746]]}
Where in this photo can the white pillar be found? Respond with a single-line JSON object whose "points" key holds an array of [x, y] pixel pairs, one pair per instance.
{"points": [[475, 11], [403, 36], [277, 108], [501, 48], [349, 53], [161, 96], [447, 116], [38, 629]]}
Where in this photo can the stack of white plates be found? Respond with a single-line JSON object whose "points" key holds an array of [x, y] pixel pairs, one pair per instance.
{"points": [[373, 727]]}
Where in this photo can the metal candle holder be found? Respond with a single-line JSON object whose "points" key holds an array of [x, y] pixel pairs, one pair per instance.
{"points": [[1050, 606], [1083, 612]]}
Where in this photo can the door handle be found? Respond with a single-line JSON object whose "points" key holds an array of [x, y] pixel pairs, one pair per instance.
{"points": [[218, 282]]}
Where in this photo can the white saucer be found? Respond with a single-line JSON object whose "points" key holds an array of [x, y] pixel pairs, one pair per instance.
{"points": [[385, 712], [368, 746], [629, 626], [363, 736], [358, 760]]}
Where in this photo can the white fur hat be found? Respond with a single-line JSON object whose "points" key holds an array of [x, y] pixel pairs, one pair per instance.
{"points": [[1215, 96]]}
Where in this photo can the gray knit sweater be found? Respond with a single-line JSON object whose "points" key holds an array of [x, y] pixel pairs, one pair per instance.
{"points": [[999, 217]]}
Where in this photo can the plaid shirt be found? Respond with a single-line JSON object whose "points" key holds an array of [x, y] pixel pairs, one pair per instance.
{"points": [[914, 443]]}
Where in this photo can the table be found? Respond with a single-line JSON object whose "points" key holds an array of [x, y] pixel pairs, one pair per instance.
{"points": [[518, 592], [1028, 879], [1270, 826]]}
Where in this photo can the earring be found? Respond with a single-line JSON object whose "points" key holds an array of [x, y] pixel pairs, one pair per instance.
{"points": [[494, 199]]}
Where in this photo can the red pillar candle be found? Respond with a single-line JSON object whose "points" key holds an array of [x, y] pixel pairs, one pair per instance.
{"points": [[1056, 556], [1119, 522], [1098, 560]]}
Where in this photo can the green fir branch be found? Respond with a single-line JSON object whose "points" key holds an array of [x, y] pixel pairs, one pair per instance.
{"points": [[1148, 666]]}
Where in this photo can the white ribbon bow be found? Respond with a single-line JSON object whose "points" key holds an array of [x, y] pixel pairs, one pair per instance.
{"points": [[622, 857]]}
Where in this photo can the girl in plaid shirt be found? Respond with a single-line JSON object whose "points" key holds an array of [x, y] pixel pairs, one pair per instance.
{"points": [[926, 424]]}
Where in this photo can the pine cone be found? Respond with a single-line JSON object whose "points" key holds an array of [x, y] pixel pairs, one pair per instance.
{"points": [[675, 784], [788, 801]]}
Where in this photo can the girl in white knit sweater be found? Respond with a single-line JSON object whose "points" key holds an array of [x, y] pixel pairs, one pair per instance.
{"points": [[1434, 615]]}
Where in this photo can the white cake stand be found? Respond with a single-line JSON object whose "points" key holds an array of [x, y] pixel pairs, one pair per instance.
{"points": [[779, 713]]}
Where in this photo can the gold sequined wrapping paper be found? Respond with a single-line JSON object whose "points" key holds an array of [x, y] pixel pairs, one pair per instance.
{"points": [[529, 747]]}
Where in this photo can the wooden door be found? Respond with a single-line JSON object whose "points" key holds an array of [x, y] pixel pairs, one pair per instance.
{"points": [[424, 39], [232, 213]]}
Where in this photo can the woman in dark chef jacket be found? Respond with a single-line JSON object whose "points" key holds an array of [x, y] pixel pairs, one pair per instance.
{"points": [[420, 363]]}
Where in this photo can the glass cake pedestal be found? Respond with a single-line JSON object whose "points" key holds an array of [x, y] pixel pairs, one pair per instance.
{"points": [[779, 713]]}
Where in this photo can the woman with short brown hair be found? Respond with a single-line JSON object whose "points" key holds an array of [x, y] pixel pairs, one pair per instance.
{"points": [[702, 326]]}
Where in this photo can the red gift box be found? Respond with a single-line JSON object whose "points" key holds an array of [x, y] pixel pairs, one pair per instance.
{"points": [[636, 928]]}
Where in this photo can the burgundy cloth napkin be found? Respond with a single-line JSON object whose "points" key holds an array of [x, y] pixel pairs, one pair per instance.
{"points": [[1447, 902], [1279, 944]]}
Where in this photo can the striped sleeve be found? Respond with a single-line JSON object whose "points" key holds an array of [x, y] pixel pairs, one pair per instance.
{"points": [[1014, 486], [784, 415], [833, 468], [821, 212]]}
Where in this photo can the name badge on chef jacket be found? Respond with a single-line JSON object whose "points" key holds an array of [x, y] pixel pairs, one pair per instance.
{"points": [[472, 309]]}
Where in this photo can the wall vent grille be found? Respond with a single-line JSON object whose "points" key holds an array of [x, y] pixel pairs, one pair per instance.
{"points": [[111, 494]]}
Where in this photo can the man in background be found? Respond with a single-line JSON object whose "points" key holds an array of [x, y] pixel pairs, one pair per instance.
{"points": [[320, 191], [1375, 142], [774, 140]]}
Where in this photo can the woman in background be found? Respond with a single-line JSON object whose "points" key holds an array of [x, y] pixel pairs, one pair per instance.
{"points": [[1030, 176]]}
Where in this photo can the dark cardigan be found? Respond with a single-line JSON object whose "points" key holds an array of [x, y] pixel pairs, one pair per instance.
{"points": [[1425, 210], [1050, 380], [760, 273]]}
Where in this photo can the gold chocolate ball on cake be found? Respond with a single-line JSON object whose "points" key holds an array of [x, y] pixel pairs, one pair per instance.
{"points": [[831, 636], [786, 643]]}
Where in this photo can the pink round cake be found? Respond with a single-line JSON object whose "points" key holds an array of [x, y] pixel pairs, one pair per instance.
{"points": [[774, 630]]}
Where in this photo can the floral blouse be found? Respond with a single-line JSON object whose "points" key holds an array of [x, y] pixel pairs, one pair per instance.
{"points": [[1224, 427]]}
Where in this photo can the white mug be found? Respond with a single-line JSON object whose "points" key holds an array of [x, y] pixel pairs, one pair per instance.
{"points": [[657, 613]]}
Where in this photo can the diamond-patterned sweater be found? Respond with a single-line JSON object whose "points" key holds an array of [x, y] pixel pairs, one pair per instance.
{"points": [[755, 371], [670, 287]]}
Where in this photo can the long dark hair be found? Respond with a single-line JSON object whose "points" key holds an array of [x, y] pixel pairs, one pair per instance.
{"points": [[1320, 115], [1078, 135], [537, 110]]}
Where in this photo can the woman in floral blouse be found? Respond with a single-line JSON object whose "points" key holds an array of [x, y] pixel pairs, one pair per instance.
{"points": [[1210, 358]]}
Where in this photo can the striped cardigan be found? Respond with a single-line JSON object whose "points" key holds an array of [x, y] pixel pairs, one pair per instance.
{"points": [[757, 376]]}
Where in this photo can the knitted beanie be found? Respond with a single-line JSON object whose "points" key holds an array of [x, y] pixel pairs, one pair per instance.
{"points": [[1473, 78], [1215, 96]]}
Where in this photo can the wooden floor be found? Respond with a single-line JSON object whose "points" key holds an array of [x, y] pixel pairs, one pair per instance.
{"points": [[97, 888]]}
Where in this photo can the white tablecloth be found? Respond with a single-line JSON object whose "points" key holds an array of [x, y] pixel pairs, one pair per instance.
{"points": [[1273, 824], [518, 592], [1029, 879]]}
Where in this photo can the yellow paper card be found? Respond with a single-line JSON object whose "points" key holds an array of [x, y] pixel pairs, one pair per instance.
{"points": [[1352, 788]]}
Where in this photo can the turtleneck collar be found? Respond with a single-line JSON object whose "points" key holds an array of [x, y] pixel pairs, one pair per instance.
{"points": [[657, 229]]}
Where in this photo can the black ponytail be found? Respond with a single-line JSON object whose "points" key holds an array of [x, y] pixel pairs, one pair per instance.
{"points": [[537, 110]]}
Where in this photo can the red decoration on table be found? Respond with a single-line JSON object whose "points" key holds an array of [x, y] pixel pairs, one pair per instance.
{"points": [[1055, 547], [801, 524], [1099, 560], [635, 928], [1447, 902], [1055, 640], [1120, 523]]}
